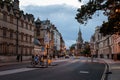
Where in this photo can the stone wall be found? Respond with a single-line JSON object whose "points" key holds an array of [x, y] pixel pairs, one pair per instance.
{"points": [[13, 58]]}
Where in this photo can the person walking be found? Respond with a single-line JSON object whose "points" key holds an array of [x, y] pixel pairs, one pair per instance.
{"points": [[36, 59]]}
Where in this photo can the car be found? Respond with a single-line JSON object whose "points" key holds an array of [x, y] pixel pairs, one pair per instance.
{"points": [[66, 56]]}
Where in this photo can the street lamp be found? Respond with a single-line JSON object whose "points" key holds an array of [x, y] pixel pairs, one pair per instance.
{"points": [[17, 44], [17, 15]]}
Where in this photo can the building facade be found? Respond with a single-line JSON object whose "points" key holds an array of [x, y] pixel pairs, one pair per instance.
{"points": [[16, 29], [105, 46], [49, 37]]}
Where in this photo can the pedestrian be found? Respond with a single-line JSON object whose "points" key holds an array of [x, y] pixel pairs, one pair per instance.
{"points": [[18, 57], [41, 60], [32, 57], [36, 59]]}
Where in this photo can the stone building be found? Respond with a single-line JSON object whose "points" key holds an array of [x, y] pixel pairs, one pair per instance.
{"points": [[100, 44], [115, 46], [49, 37], [105, 46], [16, 29], [79, 43]]}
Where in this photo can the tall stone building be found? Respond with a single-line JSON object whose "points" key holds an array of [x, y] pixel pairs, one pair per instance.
{"points": [[16, 29], [105, 46]]}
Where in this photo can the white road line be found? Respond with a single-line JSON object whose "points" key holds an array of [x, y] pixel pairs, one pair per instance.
{"points": [[15, 71], [85, 72], [73, 61], [60, 60], [115, 67]]}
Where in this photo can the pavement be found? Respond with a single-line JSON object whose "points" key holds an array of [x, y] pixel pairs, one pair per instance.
{"points": [[114, 69], [113, 74]]}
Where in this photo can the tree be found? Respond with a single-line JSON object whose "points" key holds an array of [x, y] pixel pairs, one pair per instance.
{"points": [[87, 49], [72, 47], [111, 9]]}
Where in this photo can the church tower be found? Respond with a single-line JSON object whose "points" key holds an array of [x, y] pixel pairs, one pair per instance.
{"points": [[79, 39], [79, 42]]}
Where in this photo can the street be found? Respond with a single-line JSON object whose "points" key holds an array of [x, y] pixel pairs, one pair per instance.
{"points": [[67, 69]]}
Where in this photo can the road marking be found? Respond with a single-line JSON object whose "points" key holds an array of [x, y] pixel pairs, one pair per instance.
{"points": [[117, 67], [73, 61], [60, 60], [85, 72], [15, 71]]}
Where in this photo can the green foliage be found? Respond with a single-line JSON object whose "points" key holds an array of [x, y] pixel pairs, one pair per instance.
{"points": [[72, 47], [86, 48], [87, 10]]}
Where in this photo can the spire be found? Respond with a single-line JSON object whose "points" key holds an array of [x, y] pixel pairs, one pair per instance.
{"points": [[79, 33], [80, 40]]}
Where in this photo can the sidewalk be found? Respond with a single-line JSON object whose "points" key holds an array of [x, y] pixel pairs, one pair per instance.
{"points": [[11, 63], [114, 67]]}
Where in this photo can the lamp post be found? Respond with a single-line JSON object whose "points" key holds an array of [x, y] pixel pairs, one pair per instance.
{"points": [[47, 54], [48, 44], [17, 15], [17, 43]]}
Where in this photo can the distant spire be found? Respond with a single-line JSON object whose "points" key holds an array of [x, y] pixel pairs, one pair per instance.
{"points": [[79, 33], [80, 40]]}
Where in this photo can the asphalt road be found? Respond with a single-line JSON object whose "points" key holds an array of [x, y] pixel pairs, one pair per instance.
{"points": [[71, 69]]}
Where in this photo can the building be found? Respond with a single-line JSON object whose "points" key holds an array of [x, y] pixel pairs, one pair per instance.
{"points": [[49, 37], [115, 47], [105, 46], [16, 30], [79, 43], [100, 44]]}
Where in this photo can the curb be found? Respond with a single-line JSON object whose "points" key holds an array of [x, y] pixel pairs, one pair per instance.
{"points": [[106, 71]]}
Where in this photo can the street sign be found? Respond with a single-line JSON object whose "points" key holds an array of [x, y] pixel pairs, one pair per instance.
{"points": [[46, 39]]}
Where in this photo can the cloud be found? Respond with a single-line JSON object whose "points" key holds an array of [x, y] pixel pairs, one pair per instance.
{"points": [[74, 3], [63, 17]]}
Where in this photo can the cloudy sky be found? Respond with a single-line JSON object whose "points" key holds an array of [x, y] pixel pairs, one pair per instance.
{"points": [[62, 14]]}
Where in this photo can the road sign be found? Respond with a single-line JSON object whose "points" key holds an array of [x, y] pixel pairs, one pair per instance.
{"points": [[46, 39]]}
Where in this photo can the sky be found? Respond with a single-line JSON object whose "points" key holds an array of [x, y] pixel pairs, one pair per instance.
{"points": [[62, 14]]}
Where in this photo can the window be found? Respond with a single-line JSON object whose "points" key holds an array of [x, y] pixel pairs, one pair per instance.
{"points": [[38, 32], [30, 27], [11, 19], [5, 17], [26, 38], [4, 32], [30, 38], [22, 25], [26, 26], [21, 37], [11, 34]]}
